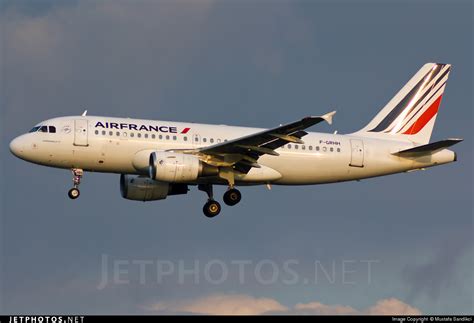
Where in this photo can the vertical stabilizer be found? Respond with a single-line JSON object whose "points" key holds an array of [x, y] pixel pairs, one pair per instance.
{"points": [[411, 113]]}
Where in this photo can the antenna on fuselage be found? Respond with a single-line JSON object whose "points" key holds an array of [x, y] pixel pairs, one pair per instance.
{"points": [[84, 113]]}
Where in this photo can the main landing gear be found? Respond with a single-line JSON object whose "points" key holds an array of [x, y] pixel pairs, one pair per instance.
{"points": [[212, 207], [74, 192], [232, 197]]}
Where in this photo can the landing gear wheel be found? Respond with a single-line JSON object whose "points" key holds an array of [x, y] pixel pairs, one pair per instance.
{"points": [[77, 174], [211, 208], [232, 197], [73, 193]]}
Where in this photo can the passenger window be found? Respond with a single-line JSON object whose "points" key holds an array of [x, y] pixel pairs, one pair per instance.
{"points": [[289, 146], [160, 137], [97, 132], [153, 136], [132, 134], [296, 146], [139, 135], [52, 129], [218, 141], [111, 133], [118, 134], [167, 137], [196, 139], [317, 148], [146, 135], [331, 149], [103, 132], [310, 147], [212, 140], [185, 138], [303, 147], [174, 138], [204, 139], [125, 134], [338, 150], [324, 149]]}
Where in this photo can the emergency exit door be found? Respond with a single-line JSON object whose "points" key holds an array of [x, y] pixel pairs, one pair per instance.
{"points": [[357, 153]]}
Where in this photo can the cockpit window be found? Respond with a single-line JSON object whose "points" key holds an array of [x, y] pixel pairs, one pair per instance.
{"points": [[50, 129]]}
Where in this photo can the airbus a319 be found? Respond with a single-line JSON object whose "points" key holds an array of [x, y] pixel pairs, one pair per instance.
{"points": [[157, 159]]}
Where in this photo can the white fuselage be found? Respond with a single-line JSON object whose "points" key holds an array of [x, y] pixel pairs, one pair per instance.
{"points": [[123, 146]]}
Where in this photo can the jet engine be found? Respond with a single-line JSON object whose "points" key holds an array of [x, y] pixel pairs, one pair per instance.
{"points": [[178, 168], [146, 189]]}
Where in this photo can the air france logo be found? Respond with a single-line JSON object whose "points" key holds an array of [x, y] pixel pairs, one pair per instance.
{"points": [[132, 126]]}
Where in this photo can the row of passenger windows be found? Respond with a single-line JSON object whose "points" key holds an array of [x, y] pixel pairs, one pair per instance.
{"points": [[153, 136], [210, 140], [139, 135], [317, 148]]}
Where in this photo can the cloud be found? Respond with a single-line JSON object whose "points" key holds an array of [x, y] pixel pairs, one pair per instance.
{"points": [[392, 306], [239, 304], [98, 54], [431, 277], [220, 305], [323, 309]]}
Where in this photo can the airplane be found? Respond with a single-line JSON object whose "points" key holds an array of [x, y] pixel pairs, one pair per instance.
{"points": [[157, 159]]}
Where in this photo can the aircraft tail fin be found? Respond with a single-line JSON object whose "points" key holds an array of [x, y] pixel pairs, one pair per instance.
{"points": [[411, 113]]}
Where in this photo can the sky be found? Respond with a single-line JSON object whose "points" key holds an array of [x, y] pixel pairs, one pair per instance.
{"points": [[400, 244]]}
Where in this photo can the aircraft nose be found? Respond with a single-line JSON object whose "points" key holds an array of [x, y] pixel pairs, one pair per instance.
{"points": [[17, 146]]}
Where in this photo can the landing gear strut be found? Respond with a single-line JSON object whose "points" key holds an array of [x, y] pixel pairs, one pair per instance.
{"points": [[74, 192], [232, 196], [212, 207]]}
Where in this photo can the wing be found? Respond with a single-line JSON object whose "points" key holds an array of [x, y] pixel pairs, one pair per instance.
{"points": [[242, 153]]}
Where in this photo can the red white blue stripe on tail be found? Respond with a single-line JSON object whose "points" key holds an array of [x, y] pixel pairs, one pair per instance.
{"points": [[413, 110]]}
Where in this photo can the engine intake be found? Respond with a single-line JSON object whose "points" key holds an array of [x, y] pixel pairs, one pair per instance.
{"points": [[178, 168]]}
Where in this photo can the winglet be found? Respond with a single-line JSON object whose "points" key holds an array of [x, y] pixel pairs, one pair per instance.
{"points": [[84, 113], [328, 116]]}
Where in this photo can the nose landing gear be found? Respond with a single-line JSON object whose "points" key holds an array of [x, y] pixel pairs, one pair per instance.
{"points": [[74, 192]]}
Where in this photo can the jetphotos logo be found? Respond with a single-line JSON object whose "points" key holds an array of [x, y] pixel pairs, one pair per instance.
{"points": [[142, 127]]}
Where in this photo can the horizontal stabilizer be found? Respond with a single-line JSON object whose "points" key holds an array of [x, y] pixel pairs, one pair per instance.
{"points": [[427, 149]]}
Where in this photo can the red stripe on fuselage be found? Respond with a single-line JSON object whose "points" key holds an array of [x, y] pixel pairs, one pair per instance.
{"points": [[425, 118]]}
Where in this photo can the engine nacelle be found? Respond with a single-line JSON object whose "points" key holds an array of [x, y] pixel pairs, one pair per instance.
{"points": [[146, 189], [178, 168]]}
